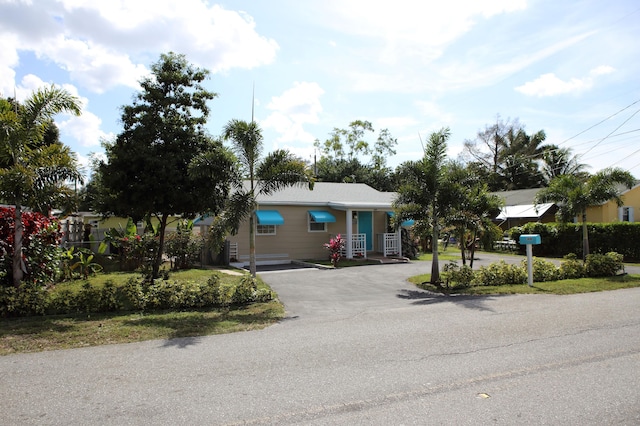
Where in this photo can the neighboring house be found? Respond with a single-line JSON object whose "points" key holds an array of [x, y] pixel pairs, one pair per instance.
{"points": [[95, 226], [520, 208], [610, 212], [295, 223]]}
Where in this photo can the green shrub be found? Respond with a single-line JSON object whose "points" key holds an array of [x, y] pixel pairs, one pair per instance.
{"points": [[245, 290], [543, 270], [500, 273], [603, 265], [571, 267], [30, 298], [462, 276]]}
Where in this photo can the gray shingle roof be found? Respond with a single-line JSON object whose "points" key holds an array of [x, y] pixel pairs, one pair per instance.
{"points": [[337, 195]]}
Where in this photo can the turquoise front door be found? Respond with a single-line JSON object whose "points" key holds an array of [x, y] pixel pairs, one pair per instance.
{"points": [[365, 226]]}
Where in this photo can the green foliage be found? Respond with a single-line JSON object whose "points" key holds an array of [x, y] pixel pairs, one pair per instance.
{"points": [[163, 162], [40, 253], [500, 273], [603, 265], [182, 247], [452, 273], [543, 270], [571, 267], [30, 298], [559, 239], [245, 291]]}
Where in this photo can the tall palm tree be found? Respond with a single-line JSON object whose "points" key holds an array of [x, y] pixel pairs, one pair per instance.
{"points": [[423, 194], [574, 194], [559, 161], [278, 170], [33, 172]]}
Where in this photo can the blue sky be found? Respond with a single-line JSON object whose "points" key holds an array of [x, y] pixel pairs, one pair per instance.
{"points": [[570, 68]]}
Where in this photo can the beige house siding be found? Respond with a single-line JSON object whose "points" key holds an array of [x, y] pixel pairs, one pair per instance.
{"points": [[293, 240]]}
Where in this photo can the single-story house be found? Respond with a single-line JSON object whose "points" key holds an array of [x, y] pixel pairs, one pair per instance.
{"points": [[610, 212], [295, 223]]}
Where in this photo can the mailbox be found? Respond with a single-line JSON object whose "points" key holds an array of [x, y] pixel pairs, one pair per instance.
{"points": [[530, 239]]}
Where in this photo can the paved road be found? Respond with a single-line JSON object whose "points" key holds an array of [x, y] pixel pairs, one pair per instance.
{"points": [[360, 346]]}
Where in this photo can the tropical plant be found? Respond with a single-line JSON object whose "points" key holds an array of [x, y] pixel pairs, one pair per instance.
{"points": [[335, 247], [506, 156], [425, 191], [33, 169], [573, 194], [40, 251], [163, 163], [472, 209], [278, 170]]}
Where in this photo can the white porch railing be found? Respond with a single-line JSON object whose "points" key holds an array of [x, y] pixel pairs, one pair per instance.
{"points": [[388, 244], [358, 246], [233, 252]]}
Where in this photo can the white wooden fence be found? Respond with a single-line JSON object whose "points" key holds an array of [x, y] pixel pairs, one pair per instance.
{"points": [[388, 244]]}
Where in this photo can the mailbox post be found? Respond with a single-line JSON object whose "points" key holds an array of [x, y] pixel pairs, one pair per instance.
{"points": [[530, 240]]}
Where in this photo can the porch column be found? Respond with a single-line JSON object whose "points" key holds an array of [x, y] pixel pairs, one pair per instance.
{"points": [[349, 243], [399, 234]]}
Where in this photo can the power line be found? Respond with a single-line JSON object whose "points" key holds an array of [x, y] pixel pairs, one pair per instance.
{"points": [[599, 123], [613, 131]]}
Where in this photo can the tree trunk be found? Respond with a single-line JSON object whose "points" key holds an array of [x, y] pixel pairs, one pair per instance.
{"points": [[472, 250], [158, 260], [18, 229], [252, 244], [462, 247], [435, 267], [585, 237]]}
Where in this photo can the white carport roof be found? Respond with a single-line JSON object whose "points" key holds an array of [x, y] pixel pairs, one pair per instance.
{"points": [[524, 211]]}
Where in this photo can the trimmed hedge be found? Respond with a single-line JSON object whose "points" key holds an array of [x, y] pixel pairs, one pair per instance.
{"points": [[136, 294], [560, 239]]}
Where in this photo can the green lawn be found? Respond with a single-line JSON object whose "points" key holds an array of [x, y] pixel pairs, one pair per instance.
{"points": [[42, 333]]}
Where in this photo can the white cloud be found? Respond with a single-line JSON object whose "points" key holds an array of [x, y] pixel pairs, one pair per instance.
{"points": [[413, 28], [102, 44], [293, 109], [86, 129], [551, 85]]}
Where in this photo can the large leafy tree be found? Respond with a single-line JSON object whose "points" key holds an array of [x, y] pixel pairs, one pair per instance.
{"points": [[277, 170], [34, 167], [349, 156], [507, 156], [425, 192], [163, 163], [573, 194]]}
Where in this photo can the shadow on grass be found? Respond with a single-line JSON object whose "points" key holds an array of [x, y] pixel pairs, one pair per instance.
{"points": [[425, 297], [35, 325]]}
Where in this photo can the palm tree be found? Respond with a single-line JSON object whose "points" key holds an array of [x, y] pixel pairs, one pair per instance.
{"points": [[559, 161], [574, 194], [278, 170], [33, 172], [472, 209], [423, 194]]}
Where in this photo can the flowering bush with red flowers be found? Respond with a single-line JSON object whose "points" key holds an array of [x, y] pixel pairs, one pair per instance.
{"points": [[335, 247], [40, 247]]}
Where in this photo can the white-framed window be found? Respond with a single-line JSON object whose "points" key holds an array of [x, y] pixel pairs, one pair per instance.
{"points": [[265, 229], [315, 226], [625, 214]]}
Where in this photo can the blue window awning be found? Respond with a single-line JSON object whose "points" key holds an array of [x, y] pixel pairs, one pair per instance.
{"points": [[322, 216], [404, 224], [269, 217]]}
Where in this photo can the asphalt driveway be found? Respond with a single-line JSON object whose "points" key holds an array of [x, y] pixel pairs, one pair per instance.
{"points": [[344, 292]]}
